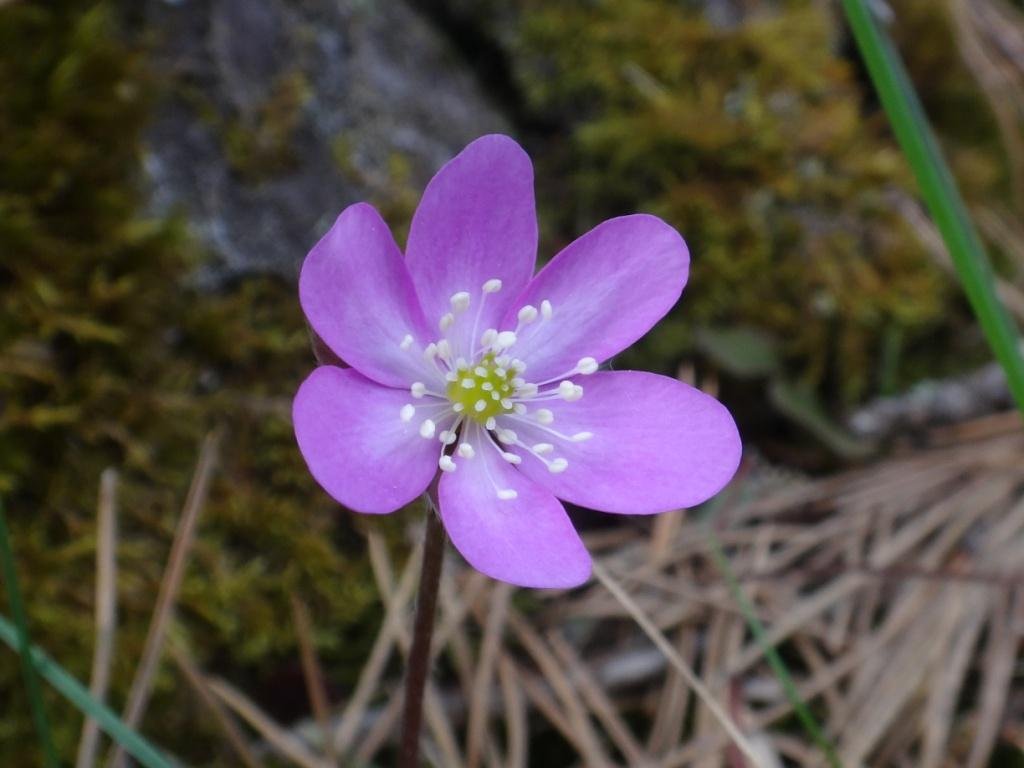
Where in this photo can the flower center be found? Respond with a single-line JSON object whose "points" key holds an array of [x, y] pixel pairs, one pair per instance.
{"points": [[483, 389]]}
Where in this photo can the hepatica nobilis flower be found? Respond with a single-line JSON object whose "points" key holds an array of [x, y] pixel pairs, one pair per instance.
{"points": [[465, 362]]}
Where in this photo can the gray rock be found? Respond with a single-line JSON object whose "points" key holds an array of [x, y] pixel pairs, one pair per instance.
{"points": [[282, 112]]}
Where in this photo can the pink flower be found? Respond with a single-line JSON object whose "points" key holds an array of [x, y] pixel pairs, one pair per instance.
{"points": [[464, 360]]}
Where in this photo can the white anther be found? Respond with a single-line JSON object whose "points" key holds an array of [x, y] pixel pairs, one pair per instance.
{"points": [[526, 390], [557, 465], [468, 383], [487, 386], [407, 412], [492, 286], [451, 376], [446, 464], [444, 349], [586, 366], [447, 319], [480, 405], [418, 389], [518, 366], [520, 409], [489, 336], [490, 423], [546, 310], [427, 428], [544, 416], [406, 342], [570, 392], [512, 458], [504, 340], [431, 351], [506, 403], [458, 407], [506, 494], [543, 448], [500, 372], [460, 301], [447, 437], [466, 451], [579, 437], [461, 364], [502, 361], [507, 436], [527, 314], [480, 371]]}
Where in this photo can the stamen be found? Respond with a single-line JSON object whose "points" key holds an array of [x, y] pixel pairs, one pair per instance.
{"points": [[427, 428], [511, 458], [504, 340], [579, 437], [490, 423], [406, 342], [418, 389], [507, 436], [447, 320], [446, 464], [448, 436], [519, 409], [546, 310], [466, 451], [458, 407], [492, 286], [468, 383], [543, 416], [527, 314], [505, 494], [489, 336], [557, 465], [460, 301], [586, 366], [570, 392], [543, 448], [407, 412]]}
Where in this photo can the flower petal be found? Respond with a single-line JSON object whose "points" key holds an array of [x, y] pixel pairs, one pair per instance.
{"points": [[356, 445], [528, 540], [476, 221], [357, 294], [606, 289], [657, 444]]}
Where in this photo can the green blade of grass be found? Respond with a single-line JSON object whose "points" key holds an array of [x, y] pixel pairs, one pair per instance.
{"points": [[22, 644], [938, 189], [134, 743]]}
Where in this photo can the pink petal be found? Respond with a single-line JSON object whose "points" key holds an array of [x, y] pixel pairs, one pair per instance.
{"points": [[528, 540], [606, 290], [475, 222], [358, 296], [356, 445], [657, 444]]}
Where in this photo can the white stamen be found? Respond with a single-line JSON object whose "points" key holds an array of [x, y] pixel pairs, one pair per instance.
{"points": [[544, 416], [505, 494], [406, 342], [451, 376], [519, 409], [507, 436], [460, 301], [557, 465], [444, 349], [492, 286], [407, 412], [504, 340], [427, 428], [518, 366], [490, 423], [431, 351], [458, 407], [447, 319], [480, 371], [460, 363], [526, 390], [501, 372], [586, 366], [527, 314], [505, 403], [480, 405], [543, 448], [446, 464], [418, 389], [447, 436], [546, 310], [489, 336], [468, 383], [570, 392], [579, 437], [511, 458], [466, 451]]}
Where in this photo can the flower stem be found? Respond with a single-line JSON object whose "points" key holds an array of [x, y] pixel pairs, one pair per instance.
{"points": [[419, 653]]}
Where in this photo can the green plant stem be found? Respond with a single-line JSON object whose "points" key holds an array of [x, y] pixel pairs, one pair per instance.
{"points": [[23, 644], [939, 190], [419, 652], [72, 690]]}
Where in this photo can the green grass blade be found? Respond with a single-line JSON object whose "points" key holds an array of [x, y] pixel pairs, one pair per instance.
{"points": [[939, 190], [137, 745], [778, 666], [22, 644]]}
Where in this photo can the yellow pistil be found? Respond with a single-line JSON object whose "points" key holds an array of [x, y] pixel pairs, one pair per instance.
{"points": [[481, 387]]}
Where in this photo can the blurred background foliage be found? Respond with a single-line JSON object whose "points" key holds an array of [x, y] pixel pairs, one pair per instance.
{"points": [[746, 125]]}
